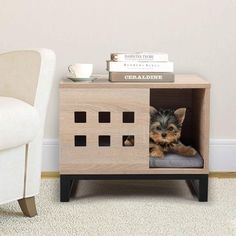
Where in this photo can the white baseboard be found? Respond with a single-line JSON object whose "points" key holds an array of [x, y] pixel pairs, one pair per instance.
{"points": [[50, 155], [222, 155]]}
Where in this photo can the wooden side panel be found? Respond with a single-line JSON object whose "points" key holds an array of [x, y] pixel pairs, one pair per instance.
{"points": [[93, 158], [201, 113]]}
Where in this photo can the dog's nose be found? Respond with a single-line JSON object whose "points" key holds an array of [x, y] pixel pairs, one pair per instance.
{"points": [[163, 135]]}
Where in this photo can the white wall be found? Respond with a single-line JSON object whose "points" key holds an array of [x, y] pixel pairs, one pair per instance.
{"points": [[199, 35]]}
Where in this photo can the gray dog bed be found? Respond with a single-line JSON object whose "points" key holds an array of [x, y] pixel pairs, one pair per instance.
{"points": [[172, 160]]}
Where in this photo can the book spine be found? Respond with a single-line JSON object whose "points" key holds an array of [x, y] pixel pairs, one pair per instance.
{"points": [[140, 66], [139, 57], [141, 77]]}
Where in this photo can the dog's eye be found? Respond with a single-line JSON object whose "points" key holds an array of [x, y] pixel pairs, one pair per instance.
{"points": [[158, 128], [171, 128]]}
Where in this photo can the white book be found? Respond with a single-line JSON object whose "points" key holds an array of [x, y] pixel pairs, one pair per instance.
{"points": [[140, 66], [139, 56]]}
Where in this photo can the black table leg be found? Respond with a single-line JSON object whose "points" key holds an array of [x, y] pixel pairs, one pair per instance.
{"points": [[66, 183], [203, 189], [199, 186]]}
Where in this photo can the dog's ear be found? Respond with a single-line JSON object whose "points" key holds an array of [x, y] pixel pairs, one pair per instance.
{"points": [[153, 112], [180, 115]]}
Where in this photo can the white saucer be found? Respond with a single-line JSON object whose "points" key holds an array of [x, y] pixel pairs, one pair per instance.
{"points": [[76, 79]]}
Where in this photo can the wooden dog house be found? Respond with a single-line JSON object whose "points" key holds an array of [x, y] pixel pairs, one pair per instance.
{"points": [[96, 117]]}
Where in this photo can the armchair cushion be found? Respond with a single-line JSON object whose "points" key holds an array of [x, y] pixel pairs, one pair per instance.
{"points": [[19, 122]]}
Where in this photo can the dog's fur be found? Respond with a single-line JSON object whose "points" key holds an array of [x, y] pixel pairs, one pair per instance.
{"points": [[165, 133]]}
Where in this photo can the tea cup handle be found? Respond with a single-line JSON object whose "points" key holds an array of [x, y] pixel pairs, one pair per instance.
{"points": [[70, 69]]}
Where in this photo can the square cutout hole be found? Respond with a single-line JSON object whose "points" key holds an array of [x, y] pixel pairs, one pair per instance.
{"points": [[80, 116], [104, 117], [80, 140], [104, 140], [128, 117], [128, 140]]}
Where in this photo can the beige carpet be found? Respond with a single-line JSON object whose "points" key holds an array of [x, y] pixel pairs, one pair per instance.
{"points": [[127, 208]]}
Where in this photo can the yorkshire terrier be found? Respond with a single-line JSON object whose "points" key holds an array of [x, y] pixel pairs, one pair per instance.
{"points": [[165, 133]]}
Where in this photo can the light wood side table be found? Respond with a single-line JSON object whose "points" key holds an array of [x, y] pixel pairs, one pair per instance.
{"points": [[95, 118]]}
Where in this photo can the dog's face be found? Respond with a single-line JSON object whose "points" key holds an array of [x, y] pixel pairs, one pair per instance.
{"points": [[165, 125]]}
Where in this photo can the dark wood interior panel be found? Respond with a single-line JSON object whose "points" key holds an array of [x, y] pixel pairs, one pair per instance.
{"points": [[173, 99]]}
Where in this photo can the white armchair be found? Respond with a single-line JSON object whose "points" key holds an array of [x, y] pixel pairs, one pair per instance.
{"points": [[25, 84]]}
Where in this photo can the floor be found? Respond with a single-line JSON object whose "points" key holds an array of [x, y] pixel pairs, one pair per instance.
{"points": [[127, 208]]}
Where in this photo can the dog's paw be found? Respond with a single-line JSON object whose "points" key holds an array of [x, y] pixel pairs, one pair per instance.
{"points": [[157, 154], [128, 143], [190, 152]]}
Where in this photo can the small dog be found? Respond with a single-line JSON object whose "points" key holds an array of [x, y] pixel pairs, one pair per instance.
{"points": [[165, 133]]}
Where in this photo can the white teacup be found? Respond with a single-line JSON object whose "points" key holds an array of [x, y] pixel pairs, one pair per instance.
{"points": [[81, 70]]}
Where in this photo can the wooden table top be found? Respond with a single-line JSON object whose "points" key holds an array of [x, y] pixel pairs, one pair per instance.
{"points": [[181, 81]]}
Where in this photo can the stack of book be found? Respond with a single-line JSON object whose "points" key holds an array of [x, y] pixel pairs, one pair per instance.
{"points": [[140, 67]]}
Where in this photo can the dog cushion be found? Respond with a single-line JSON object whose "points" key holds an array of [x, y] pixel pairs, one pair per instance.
{"points": [[19, 122], [172, 160]]}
